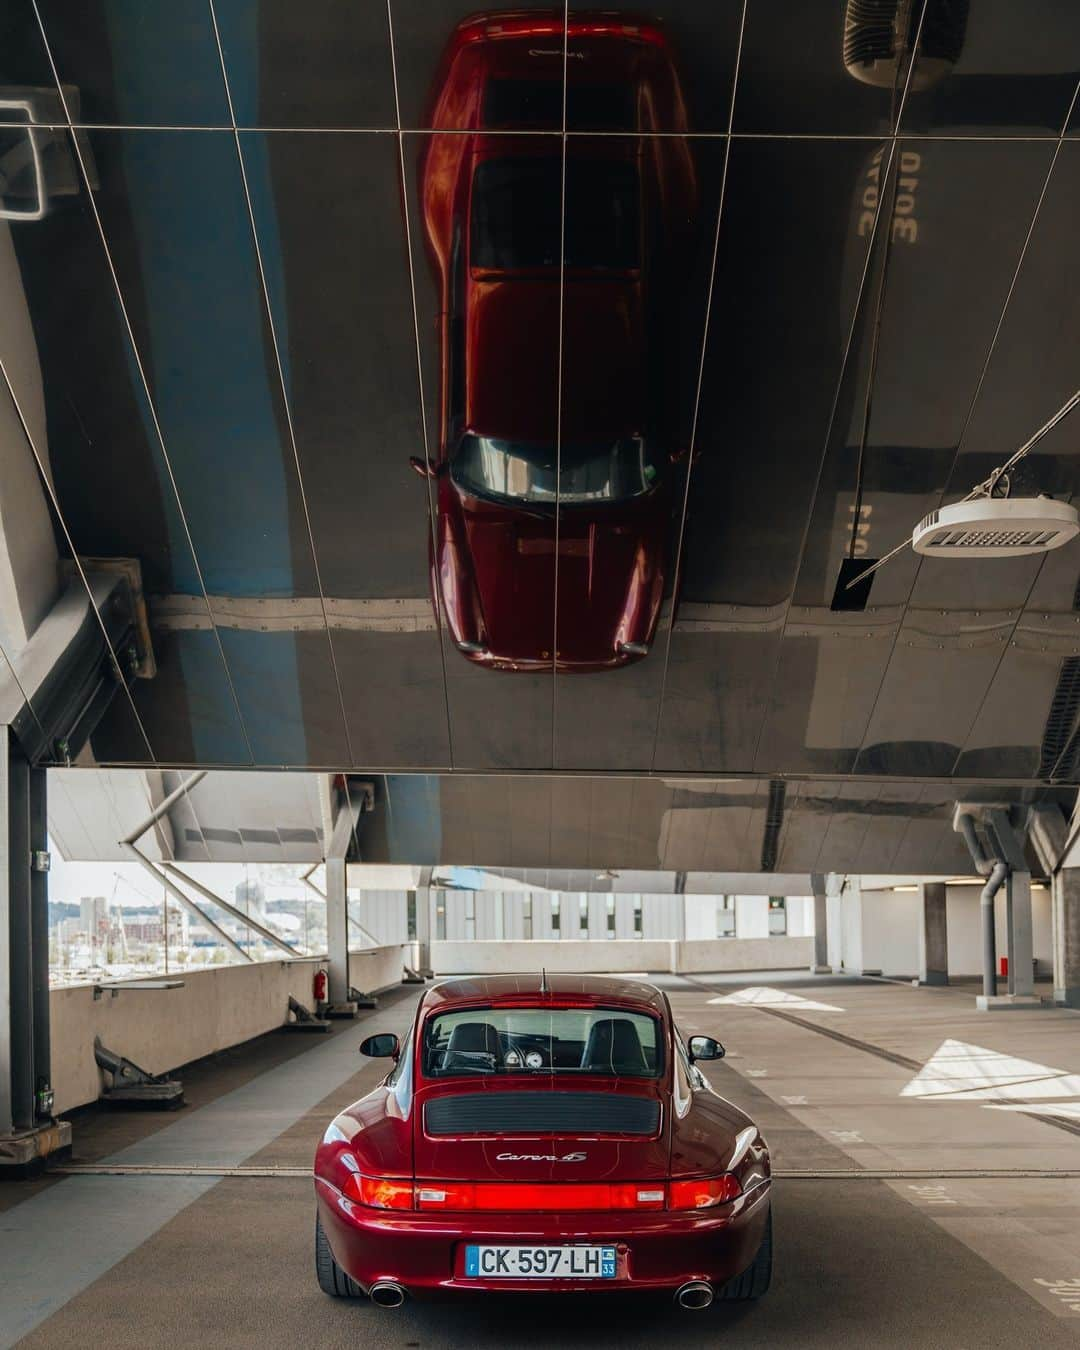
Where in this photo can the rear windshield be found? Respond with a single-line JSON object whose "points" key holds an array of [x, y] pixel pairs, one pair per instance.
{"points": [[607, 1041]]}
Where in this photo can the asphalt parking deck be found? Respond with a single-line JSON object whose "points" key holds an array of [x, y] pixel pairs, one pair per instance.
{"points": [[900, 1119]]}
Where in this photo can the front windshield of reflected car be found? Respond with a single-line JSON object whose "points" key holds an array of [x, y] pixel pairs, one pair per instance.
{"points": [[612, 1042], [522, 471]]}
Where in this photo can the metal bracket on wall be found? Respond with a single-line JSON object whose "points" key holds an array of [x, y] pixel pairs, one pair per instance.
{"points": [[303, 1018], [135, 1087]]}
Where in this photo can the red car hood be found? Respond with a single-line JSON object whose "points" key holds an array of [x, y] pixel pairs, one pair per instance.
{"points": [[512, 359], [610, 576], [523, 1155]]}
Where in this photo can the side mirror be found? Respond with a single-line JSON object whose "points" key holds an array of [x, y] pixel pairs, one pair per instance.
{"points": [[704, 1047], [422, 467], [384, 1046]]}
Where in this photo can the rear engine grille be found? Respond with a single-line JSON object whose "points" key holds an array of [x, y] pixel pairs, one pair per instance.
{"points": [[538, 1112]]}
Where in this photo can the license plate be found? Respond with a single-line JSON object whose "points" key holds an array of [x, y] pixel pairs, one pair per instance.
{"points": [[540, 1263]]}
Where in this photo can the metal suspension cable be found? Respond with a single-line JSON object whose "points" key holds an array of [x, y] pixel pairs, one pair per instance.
{"points": [[986, 487]]}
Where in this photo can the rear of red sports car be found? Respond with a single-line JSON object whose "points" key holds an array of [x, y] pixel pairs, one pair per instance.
{"points": [[531, 1142]]}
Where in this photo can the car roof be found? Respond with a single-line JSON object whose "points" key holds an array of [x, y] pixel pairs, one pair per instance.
{"points": [[598, 989]]}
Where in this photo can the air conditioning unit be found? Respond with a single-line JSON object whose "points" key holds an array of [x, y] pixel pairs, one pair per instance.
{"points": [[996, 527]]}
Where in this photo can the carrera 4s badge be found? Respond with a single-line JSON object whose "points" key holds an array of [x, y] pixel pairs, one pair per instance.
{"points": [[541, 1157]]}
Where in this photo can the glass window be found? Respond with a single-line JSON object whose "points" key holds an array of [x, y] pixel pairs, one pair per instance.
{"points": [[777, 915], [610, 906], [556, 901], [638, 917], [486, 1040], [527, 917], [525, 471], [440, 916], [516, 219], [411, 919], [470, 917], [583, 915], [725, 916]]}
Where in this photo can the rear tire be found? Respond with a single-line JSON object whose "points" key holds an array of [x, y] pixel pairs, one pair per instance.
{"points": [[755, 1279], [332, 1279]]}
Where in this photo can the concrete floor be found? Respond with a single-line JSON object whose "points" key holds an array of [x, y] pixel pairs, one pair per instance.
{"points": [[930, 1255]]}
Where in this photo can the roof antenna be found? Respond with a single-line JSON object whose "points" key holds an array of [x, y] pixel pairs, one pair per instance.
{"points": [[543, 981]]}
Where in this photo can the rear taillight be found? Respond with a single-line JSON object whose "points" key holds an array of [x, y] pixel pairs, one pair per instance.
{"points": [[380, 1192], [542, 1196], [538, 1197], [703, 1192]]}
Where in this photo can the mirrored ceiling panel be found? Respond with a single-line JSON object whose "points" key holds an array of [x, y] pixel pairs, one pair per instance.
{"points": [[66, 353], [128, 63], [325, 63], [640, 234], [995, 69], [485, 215], [925, 330], [458, 67], [327, 209], [783, 298], [668, 70]]}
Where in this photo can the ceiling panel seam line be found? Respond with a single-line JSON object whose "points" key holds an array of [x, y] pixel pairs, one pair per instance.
{"points": [[274, 342], [849, 342], [697, 390], [429, 488], [137, 356], [1048, 137], [971, 410], [51, 493], [558, 391]]}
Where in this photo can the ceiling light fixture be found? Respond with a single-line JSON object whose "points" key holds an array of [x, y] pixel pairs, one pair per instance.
{"points": [[988, 523]]}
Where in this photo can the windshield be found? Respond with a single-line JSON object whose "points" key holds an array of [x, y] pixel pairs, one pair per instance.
{"points": [[525, 472], [607, 1041], [517, 216]]}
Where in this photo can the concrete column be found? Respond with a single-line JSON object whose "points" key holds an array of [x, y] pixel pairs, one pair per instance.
{"points": [[820, 963], [933, 935], [424, 921], [337, 931], [1020, 946], [1065, 896]]}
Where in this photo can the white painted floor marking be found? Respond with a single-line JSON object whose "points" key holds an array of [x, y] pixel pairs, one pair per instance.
{"points": [[763, 997], [794, 1101], [959, 1072], [847, 1136]]}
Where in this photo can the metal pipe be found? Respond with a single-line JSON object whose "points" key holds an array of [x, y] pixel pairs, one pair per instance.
{"points": [[983, 865], [998, 872], [253, 924], [387, 1294], [694, 1294], [163, 806], [185, 900]]}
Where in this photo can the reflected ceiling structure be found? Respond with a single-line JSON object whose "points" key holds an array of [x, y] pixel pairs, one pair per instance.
{"points": [[815, 291]]}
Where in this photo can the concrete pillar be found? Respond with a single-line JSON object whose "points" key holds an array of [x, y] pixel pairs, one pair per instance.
{"points": [[424, 921], [28, 1133], [1065, 896], [337, 931], [933, 935], [1020, 946], [820, 963]]}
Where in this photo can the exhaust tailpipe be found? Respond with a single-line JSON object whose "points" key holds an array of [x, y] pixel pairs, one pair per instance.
{"points": [[694, 1294], [387, 1294]]}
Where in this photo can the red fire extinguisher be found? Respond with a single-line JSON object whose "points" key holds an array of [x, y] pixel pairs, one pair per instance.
{"points": [[320, 986]]}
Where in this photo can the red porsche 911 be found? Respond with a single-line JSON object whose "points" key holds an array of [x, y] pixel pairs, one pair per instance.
{"points": [[554, 454], [543, 1135]]}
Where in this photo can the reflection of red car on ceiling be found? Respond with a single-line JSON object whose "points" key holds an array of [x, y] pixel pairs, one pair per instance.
{"points": [[506, 531]]}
